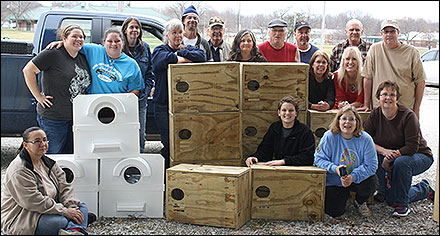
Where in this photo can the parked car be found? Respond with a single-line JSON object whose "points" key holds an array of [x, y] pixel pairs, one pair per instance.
{"points": [[430, 64]]}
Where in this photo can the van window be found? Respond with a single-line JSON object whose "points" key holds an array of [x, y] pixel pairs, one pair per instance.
{"points": [[147, 37], [85, 24]]}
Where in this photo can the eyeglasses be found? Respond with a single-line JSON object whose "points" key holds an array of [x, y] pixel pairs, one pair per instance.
{"points": [[389, 31], [391, 95], [347, 119], [38, 141]]}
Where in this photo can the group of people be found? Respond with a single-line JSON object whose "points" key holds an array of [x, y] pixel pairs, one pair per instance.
{"points": [[379, 156]]}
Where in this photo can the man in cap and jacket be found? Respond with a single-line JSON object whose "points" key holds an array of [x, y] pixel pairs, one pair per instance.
{"points": [[302, 36], [219, 48], [276, 49], [190, 20]]}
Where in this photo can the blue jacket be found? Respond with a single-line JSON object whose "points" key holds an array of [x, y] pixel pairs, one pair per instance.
{"points": [[145, 64], [163, 55], [358, 154]]}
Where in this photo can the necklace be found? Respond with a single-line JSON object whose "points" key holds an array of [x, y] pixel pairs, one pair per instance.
{"points": [[352, 88]]}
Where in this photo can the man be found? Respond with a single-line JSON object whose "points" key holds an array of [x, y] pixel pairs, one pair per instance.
{"points": [[190, 20], [302, 36], [219, 48], [276, 49], [354, 31], [395, 61]]}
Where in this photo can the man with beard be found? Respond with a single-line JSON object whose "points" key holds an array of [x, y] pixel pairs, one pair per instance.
{"points": [[276, 49], [219, 48], [190, 20], [302, 36]]}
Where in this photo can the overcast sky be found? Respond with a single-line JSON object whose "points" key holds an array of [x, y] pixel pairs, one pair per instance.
{"points": [[428, 10]]}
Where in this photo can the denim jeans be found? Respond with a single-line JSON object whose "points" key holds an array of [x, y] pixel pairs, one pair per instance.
{"points": [[162, 122], [59, 133], [143, 122], [336, 197], [401, 193], [50, 224]]}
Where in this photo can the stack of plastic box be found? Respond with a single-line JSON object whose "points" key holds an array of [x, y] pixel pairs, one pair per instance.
{"points": [[109, 173]]}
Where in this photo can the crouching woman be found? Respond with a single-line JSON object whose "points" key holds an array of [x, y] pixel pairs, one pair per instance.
{"points": [[346, 147]]}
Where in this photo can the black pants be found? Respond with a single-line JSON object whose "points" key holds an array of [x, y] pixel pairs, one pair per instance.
{"points": [[336, 197]]}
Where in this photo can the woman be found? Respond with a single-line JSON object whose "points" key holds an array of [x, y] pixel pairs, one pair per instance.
{"points": [[171, 52], [244, 48], [348, 80], [288, 141], [139, 50], [346, 147], [402, 151], [112, 70], [36, 199], [65, 75], [321, 85]]}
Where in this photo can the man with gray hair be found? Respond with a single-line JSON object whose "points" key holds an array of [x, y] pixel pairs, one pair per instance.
{"points": [[354, 30], [276, 49], [395, 61]]}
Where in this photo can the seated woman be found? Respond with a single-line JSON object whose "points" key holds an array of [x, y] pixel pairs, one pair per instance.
{"points": [[321, 85], [288, 141], [36, 199], [346, 147], [348, 80], [402, 151], [244, 48]]}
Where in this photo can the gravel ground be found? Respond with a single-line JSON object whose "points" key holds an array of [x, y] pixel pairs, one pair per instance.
{"points": [[419, 221]]}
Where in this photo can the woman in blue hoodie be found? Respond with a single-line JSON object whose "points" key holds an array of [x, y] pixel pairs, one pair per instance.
{"points": [[349, 156], [171, 52]]}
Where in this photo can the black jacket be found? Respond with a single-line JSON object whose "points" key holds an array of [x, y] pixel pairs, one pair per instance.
{"points": [[297, 149]]}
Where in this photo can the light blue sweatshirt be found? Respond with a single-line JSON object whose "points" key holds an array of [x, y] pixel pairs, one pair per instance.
{"points": [[357, 153]]}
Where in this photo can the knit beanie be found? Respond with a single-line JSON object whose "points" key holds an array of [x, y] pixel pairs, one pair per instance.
{"points": [[190, 9]]}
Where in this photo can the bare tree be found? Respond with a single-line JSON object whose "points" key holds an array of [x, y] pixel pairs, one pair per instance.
{"points": [[18, 9]]}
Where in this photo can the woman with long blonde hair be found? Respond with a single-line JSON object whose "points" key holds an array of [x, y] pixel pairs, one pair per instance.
{"points": [[348, 80]]}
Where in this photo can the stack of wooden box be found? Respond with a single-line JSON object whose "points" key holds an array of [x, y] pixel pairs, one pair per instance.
{"points": [[204, 109], [219, 112], [263, 85]]}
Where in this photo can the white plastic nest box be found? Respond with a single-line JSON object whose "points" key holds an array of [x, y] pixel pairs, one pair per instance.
{"points": [[83, 175], [132, 186], [106, 126]]}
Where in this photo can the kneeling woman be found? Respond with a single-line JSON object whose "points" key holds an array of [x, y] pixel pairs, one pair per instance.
{"points": [[36, 199], [288, 141], [346, 146]]}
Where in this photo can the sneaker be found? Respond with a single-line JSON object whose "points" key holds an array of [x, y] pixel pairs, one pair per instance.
{"points": [[431, 192], [362, 209], [91, 217], [379, 197], [401, 211], [69, 232]]}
